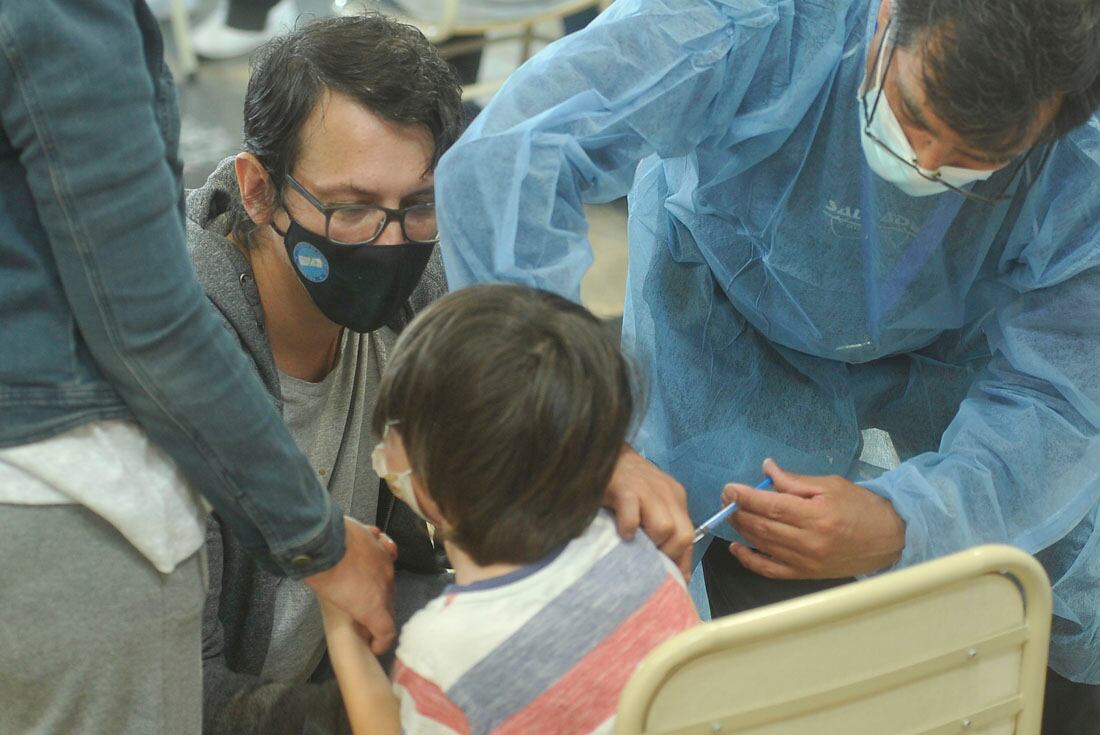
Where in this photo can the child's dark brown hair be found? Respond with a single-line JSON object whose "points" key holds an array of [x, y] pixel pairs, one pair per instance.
{"points": [[513, 405]]}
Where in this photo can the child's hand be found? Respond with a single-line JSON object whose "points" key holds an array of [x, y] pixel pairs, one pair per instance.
{"points": [[368, 695], [335, 618], [387, 542], [362, 583]]}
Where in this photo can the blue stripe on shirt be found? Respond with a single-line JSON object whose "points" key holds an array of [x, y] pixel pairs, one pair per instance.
{"points": [[562, 633]]}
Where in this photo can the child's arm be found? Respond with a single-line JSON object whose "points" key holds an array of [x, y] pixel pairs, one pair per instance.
{"points": [[368, 695]]}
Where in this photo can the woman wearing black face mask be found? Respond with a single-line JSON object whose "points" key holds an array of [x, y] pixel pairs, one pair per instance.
{"points": [[317, 245], [352, 280]]}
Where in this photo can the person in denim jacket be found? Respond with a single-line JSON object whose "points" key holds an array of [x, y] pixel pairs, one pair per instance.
{"points": [[120, 391]]}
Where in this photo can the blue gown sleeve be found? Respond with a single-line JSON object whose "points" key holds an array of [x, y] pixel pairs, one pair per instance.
{"points": [[571, 125], [1020, 461]]}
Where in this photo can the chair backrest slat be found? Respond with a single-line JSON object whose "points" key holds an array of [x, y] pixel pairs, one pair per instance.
{"points": [[957, 640]]}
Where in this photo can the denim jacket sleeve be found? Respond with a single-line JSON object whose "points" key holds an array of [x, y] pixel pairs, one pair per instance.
{"points": [[86, 102]]}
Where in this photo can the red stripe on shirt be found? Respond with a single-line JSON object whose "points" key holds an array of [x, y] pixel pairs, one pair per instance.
{"points": [[430, 700], [589, 694]]}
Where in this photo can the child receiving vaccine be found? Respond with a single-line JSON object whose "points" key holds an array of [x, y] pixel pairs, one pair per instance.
{"points": [[502, 412]]}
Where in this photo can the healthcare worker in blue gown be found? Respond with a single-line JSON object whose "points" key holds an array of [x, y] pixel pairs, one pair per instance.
{"points": [[844, 214]]}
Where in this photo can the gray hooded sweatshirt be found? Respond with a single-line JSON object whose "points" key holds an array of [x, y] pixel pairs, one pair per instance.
{"points": [[261, 648]]}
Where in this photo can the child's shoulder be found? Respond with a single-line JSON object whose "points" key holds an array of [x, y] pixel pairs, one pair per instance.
{"points": [[622, 572], [436, 643], [597, 574], [633, 596], [638, 552], [600, 600]]}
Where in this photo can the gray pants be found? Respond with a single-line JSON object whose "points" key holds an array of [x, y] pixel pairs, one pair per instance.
{"points": [[93, 639]]}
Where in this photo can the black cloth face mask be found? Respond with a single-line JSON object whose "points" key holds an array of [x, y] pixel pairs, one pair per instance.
{"points": [[361, 287]]}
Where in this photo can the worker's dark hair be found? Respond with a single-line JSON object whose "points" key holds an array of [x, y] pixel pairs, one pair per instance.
{"points": [[513, 405], [992, 66]]}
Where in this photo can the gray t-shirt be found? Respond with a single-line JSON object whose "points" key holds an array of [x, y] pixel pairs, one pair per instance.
{"points": [[330, 422]]}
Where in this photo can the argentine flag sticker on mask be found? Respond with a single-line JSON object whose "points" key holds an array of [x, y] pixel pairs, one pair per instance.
{"points": [[310, 262]]}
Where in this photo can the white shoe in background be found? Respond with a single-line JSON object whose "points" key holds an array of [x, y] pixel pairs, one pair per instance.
{"points": [[214, 39], [162, 8]]}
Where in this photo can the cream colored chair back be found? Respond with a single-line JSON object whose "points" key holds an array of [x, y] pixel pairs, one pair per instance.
{"points": [[956, 645]]}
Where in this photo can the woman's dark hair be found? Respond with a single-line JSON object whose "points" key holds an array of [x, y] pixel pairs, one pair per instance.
{"points": [[388, 67], [992, 66], [513, 405]]}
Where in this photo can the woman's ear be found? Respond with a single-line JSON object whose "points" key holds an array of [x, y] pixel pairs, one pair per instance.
{"points": [[257, 190]]}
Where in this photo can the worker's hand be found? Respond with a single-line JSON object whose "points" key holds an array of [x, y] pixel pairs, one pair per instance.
{"points": [[813, 527], [641, 495], [361, 583]]}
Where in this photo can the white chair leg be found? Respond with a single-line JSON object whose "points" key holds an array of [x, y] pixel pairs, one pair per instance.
{"points": [[181, 29], [528, 40]]}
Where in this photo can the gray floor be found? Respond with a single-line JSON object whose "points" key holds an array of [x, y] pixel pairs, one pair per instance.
{"points": [[211, 112]]}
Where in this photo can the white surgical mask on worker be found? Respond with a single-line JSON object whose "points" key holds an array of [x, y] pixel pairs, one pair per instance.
{"points": [[400, 483], [885, 126]]}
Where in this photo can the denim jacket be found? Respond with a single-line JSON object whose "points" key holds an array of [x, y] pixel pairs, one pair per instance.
{"points": [[101, 315]]}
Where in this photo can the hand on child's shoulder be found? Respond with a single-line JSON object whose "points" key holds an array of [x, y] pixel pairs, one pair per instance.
{"points": [[641, 495]]}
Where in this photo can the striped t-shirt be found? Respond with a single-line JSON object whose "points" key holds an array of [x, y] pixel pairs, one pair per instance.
{"points": [[547, 648]]}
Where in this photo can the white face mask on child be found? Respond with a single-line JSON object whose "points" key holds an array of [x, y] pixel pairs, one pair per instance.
{"points": [[400, 483]]}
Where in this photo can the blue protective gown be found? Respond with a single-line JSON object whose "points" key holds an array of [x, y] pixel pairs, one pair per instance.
{"points": [[781, 297]]}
